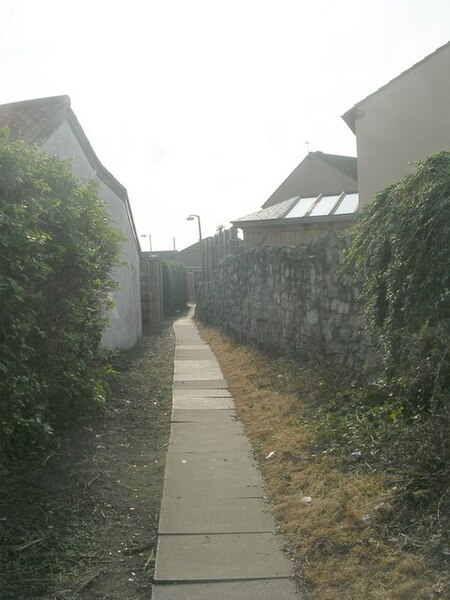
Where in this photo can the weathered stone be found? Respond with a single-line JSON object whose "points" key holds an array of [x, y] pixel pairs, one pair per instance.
{"points": [[295, 300]]}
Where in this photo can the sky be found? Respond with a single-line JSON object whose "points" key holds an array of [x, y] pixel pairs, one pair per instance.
{"points": [[205, 106]]}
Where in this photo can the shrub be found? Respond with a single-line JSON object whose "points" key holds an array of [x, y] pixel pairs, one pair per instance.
{"points": [[57, 248], [400, 253], [174, 287]]}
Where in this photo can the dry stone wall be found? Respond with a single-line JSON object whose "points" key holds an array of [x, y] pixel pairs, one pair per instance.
{"points": [[292, 299]]}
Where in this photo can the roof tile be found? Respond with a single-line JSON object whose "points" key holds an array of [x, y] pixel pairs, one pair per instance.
{"points": [[30, 119]]}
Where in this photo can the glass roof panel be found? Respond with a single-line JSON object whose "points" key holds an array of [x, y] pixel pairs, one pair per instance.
{"points": [[301, 208], [348, 205], [324, 206]]}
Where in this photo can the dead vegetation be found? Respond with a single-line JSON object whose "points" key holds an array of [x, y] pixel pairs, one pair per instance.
{"points": [[362, 515]]}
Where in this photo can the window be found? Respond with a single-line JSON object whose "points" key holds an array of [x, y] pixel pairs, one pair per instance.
{"points": [[324, 206], [301, 208], [348, 205]]}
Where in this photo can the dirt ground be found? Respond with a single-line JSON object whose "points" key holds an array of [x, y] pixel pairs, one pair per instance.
{"points": [[80, 521]]}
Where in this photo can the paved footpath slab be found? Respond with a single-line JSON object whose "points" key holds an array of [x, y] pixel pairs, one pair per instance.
{"points": [[217, 537]]}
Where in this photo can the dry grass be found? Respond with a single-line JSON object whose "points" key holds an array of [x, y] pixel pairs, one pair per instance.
{"points": [[326, 506]]}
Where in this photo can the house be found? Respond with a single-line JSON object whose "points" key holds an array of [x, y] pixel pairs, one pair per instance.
{"points": [[403, 122], [51, 124], [319, 197], [318, 172]]}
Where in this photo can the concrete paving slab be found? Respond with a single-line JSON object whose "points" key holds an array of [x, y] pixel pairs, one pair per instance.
{"points": [[193, 366], [260, 589], [223, 556], [215, 515], [200, 384], [215, 533], [185, 328], [221, 487], [191, 341], [213, 417], [231, 474], [201, 346], [195, 363], [211, 373], [200, 376], [187, 422], [201, 437], [221, 393], [199, 354], [203, 403]]}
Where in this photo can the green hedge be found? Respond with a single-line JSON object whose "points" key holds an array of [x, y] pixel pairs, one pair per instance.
{"points": [[57, 248], [174, 287], [401, 254]]}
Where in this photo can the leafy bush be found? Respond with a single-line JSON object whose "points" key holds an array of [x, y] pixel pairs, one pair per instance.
{"points": [[400, 253], [57, 248], [174, 287]]}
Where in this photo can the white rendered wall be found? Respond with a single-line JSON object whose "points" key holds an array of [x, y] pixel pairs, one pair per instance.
{"points": [[125, 320], [403, 123]]}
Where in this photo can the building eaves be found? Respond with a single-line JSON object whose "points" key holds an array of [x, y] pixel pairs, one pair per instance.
{"points": [[102, 172], [351, 115], [297, 222]]}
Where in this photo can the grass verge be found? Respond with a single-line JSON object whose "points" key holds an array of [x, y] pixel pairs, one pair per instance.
{"points": [[347, 477]]}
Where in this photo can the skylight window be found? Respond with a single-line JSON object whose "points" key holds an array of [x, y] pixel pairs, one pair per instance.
{"points": [[324, 206], [348, 205], [301, 208]]}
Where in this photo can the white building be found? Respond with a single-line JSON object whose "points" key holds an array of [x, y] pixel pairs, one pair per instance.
{"points": [[51, 124], [401, 123]]}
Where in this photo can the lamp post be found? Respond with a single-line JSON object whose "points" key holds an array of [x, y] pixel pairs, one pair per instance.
{"points": [[149, 239], [191, 218]]}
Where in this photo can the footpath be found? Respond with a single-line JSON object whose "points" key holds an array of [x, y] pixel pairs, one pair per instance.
{"points": [[216, 539]]}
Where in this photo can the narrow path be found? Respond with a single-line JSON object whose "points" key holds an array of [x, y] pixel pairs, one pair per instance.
{"points": [[216, 537]]}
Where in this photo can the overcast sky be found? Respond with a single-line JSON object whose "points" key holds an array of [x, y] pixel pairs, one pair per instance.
{"points": [[205, 106]]}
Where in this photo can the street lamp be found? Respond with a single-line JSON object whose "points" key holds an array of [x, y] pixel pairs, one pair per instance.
{"points": [[191, 218], [149, 239]]}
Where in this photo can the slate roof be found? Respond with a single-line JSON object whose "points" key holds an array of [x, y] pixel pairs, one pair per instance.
{"points": [[35, 120], [351, 115], [294, 183], [307, 209], [277, 211], [344, 164]]}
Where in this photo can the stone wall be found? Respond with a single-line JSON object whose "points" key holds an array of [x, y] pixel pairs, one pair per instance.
{"points": [[292, 299]]}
